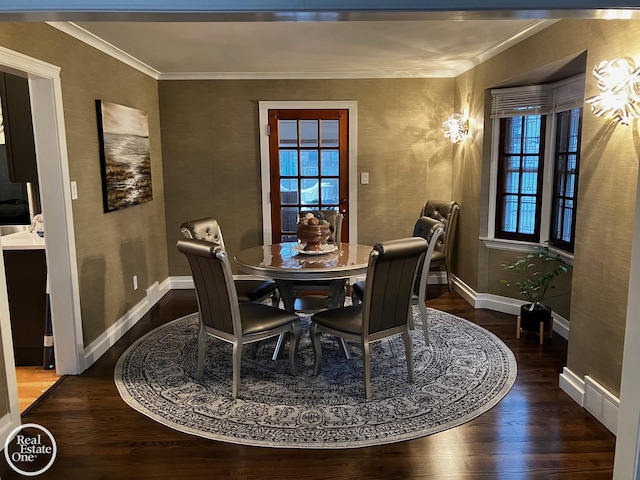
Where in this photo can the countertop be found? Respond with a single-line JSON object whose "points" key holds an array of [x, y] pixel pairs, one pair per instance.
{"points": [[22, 241]]}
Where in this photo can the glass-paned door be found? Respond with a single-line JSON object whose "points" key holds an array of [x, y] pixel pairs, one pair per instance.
{"points": [[309, 165]]}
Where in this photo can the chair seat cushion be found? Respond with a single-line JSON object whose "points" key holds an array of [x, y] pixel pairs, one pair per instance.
{"points": [[344, 319], [252, 290], [258, 317]]}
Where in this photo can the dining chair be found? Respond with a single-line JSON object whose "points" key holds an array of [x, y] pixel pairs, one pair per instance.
{"points": [[391, 274], [222, 316], [445, 211], [431, 230], [208, 229], [321, 294], [334, 217]]}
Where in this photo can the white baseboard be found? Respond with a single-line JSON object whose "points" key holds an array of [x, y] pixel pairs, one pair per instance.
{"points": [[7, 424], [186, 282], [181, 283], [593, 397], [602, 404], [572, 385], [99, 346]]}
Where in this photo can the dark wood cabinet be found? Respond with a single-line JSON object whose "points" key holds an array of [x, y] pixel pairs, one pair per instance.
{"points": [[26, 273]]}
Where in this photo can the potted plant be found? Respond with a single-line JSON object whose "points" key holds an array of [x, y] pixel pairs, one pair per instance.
{"points": [[538, 270]]}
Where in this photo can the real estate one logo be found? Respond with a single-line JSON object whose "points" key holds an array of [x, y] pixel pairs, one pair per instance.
{"points": [[30, 449]]}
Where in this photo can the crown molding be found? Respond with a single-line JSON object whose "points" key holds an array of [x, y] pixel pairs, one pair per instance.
{"points": [[89, 38], [300, 75]]}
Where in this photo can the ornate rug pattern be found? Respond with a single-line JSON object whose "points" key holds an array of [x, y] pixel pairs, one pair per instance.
{"points": [[464, 372]]}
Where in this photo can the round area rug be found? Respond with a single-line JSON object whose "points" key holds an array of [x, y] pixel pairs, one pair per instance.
{"points": [[463, 372]]}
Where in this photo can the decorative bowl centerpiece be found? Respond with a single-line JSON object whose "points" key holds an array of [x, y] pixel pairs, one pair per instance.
{"points": [[314, 232]]}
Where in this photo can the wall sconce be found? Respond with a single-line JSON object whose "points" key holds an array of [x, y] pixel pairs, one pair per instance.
{"points": [[619, 84], [456, 127]]}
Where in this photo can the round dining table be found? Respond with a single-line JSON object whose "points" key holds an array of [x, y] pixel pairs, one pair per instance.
{"points": [[288, 262]]}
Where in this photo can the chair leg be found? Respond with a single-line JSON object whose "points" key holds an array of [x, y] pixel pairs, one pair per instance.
{"points": [[425, 322], [409, 353], [518, 328], [541, 333], [317, 348], [253, 350], [275, 299], [366, 362], [237, 356], [355, 300], [448, 278], [293, 348], [276, 351], [345, 349], [202, 349]]}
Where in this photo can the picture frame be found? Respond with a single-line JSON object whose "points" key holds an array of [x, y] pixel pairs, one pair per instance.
{"points": [[124, 155]]}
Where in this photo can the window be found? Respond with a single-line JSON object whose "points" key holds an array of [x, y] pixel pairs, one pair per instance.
{"points": [[520, 177], [536, 154], [565, 179]]}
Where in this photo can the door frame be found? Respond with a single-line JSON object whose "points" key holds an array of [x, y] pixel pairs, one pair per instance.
{"points": [[352, 107], [45, 92]]}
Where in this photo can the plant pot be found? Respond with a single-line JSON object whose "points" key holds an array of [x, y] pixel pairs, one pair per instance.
{"points": [[530, 319], [313, 235]]}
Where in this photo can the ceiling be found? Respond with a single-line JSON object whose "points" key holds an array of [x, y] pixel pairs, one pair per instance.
{"points": [[310, 49]]}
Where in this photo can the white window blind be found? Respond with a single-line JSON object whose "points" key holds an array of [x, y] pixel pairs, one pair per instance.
{"points": [[568, 94], [537, 99]]}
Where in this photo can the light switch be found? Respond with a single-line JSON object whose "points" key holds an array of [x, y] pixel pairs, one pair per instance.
{"points": [[74, 191], [364, 178]]}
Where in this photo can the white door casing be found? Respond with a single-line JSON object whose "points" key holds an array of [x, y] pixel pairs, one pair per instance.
{"points": [[53, 172]]}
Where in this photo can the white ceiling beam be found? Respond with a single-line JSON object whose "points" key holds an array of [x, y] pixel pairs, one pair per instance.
{"points": [[309, 10]]}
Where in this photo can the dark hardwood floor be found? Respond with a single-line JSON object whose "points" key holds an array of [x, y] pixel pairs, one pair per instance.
{"points": [[536, 431]]}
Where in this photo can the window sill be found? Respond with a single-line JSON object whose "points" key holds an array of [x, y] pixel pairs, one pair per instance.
{"points": [[524, 247]]}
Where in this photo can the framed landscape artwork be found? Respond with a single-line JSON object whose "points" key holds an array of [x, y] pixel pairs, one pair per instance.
{"points": [[124, 156]]}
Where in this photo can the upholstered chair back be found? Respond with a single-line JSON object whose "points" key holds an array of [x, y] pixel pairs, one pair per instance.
{"points": [[206, 229], [334, 217], [391, 274], [427, 227], [213, 281], [444, 211]]}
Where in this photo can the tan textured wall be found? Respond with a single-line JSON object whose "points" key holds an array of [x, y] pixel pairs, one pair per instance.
{"points": [[111, 247], [212, 160], [608, 174]]}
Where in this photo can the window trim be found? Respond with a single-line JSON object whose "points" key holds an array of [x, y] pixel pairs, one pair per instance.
{"points": [[523, 247]]}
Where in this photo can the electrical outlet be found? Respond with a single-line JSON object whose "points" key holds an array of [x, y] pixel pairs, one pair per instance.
{"points": [[135, 282], [364, 178]]}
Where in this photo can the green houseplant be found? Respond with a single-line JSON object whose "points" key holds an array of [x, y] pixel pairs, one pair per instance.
{"points": [[537, 271]]}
